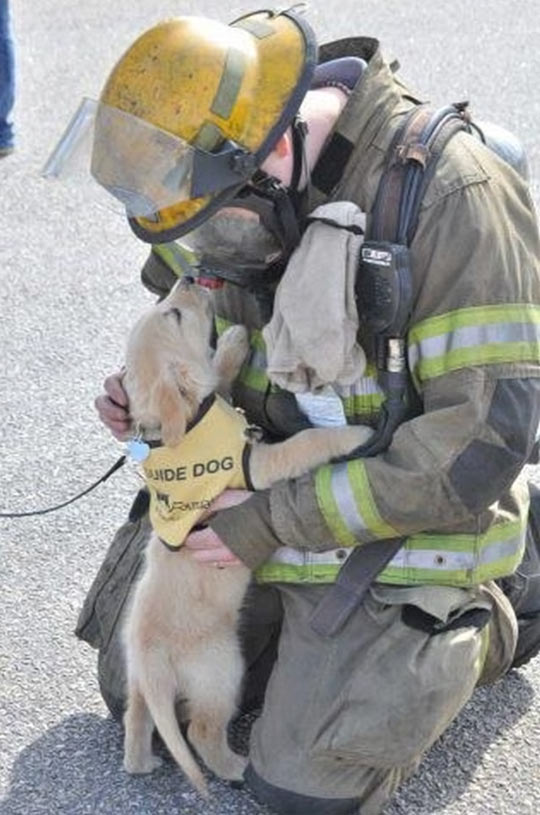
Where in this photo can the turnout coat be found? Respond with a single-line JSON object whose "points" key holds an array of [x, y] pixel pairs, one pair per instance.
{"points": [[451, 480]]}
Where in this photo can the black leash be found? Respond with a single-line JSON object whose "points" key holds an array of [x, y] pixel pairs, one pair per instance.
{"points": [[116, 466]]}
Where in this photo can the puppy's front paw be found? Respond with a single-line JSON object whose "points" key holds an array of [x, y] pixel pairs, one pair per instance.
{"points": [[140, 765], [234, 341], [231, 352], [361, 434]]}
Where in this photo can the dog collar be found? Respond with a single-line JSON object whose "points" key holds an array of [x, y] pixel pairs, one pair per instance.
{"points": [[139, 446]]}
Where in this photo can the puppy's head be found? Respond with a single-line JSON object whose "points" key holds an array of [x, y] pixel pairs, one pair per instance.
{"points": [[168, 361]]}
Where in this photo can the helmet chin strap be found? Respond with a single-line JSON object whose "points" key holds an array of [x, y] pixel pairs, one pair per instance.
{"points": [[299, 132], [281, 208]]}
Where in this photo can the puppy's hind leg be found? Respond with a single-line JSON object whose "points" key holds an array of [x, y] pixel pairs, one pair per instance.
{"points": [[213, 698], [159, 687], [138, 724]]}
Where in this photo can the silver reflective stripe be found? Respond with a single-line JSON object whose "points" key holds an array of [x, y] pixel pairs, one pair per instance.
{"points": [[432, 559], [346, 502], [499, 550], [444, 560], [297, 557], [471, 336]]}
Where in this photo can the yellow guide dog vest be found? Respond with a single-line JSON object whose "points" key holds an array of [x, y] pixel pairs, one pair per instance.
{"points": [[184, 480]]}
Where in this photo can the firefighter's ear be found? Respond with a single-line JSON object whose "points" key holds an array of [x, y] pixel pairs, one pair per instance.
{"points": [[172, 411]]}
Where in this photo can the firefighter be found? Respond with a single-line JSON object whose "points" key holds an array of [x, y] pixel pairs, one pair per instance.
{"points": [[219, 141]]}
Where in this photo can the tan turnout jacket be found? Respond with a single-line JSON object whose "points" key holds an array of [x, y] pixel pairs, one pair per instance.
{"points": [[450, 480]]}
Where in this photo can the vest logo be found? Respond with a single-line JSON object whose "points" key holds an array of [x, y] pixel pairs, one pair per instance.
{"points": [[198, 469], [171, 510]]}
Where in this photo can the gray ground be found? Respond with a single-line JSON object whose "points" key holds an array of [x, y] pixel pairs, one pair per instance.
{"points": [[69, 290]]}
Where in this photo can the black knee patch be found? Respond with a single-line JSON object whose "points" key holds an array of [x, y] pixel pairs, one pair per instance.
{"points": [[291, 803]]}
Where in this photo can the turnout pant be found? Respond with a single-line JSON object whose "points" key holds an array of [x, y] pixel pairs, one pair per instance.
{"points": [[345, 719]]}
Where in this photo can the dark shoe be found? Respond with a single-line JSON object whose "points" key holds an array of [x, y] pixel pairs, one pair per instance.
{"points": [[6, 151]]}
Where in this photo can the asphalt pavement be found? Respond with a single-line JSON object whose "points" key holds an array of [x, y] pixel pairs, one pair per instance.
{"points": [[69, 292]]}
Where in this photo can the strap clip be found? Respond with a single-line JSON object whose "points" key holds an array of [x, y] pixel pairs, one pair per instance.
{"points": [[413, 152]]}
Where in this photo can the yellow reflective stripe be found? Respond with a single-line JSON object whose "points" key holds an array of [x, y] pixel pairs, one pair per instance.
{"points": [[461, 542], [474, 315], [480, 335], [329, 508], [447, 559], [221, 324], [481, 355], [179, 259], [327, 573], [458, 577], [253, 378], [347, 504], [358, 406], [364, 397], [289, 573], [301, 566], [459, 559], [366, 503], [450, 560]]}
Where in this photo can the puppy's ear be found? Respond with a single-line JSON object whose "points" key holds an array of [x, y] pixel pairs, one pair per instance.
{"points": [[172, 413]]}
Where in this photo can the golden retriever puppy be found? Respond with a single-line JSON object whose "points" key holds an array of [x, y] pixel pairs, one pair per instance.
{"points": [[180, 633]]}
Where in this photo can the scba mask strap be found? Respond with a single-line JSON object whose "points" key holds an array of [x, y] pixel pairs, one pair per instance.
{"points": [[278, 210]]}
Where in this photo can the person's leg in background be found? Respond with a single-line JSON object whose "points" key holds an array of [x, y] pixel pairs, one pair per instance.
{"points": [[7, 80]]}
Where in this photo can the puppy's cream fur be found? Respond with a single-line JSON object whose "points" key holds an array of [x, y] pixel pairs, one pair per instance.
{"points": [[181, 631]]}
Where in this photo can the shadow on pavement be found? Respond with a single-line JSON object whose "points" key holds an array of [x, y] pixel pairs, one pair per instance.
{"points": [[76, 767], [447, 770]]}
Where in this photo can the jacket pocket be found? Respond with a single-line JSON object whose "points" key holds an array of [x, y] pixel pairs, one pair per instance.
{"points": [[108, 593]]}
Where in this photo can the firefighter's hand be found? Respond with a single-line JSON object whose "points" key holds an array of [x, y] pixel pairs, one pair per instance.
{"points": [[203, 542], [113, 407]]}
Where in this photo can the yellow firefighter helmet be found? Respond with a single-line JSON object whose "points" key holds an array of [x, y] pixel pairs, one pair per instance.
{"points": [[192, 109]]}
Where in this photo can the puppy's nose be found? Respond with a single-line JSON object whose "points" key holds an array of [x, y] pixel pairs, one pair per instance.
{"points": [[187, 280]]}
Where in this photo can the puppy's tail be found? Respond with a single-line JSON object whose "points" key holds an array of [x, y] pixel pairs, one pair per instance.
{"points": [[160, 700]]}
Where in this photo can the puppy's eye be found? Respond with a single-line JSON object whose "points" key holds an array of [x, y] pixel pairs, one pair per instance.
{"points": [[176, 312]]}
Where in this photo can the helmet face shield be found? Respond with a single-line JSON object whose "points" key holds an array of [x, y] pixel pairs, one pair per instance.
{"points": [[144, 167], [186, 116]]}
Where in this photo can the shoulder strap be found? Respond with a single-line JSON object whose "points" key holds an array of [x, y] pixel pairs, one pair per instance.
{"points": [[410, 164]]}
